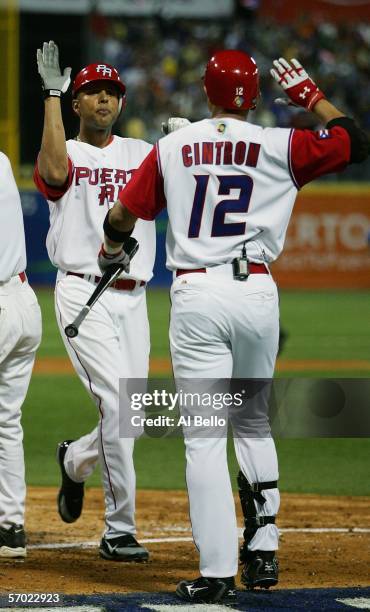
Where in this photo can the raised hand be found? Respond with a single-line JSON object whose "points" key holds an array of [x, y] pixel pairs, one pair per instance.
{"points": [[296, 83], [53, 81]]}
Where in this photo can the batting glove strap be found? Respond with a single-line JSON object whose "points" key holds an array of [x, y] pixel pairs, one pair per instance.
{"points": [[110, 256], [107, 259], [51, 93], [296, 83]]}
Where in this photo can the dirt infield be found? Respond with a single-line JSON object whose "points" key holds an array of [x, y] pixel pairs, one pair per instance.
{"points": [[307, 559], [160, 366]]}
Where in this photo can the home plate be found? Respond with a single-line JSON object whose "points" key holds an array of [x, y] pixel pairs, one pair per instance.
{"points": [[361, 603]]}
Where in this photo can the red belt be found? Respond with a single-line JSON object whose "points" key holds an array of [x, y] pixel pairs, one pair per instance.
{"points": [[122, 284], [22, 276], [254, 268]]}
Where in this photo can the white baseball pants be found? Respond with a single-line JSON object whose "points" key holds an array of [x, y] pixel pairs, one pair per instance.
{"points": [[113, 343], [20, 335], [223, 328]]}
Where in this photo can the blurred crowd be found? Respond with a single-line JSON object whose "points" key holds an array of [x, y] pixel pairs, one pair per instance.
{"points": [[161, 62]]}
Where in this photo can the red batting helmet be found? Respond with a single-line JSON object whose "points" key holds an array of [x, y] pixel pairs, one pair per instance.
{"points": [[231, 80], [97, 72]]}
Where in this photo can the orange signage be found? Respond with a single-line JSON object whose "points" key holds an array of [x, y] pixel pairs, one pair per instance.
{"points": [[323, 10], [328, 241]]}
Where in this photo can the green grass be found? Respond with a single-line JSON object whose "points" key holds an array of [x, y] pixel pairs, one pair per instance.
{"points": [[326, 325], [58, 407], [158, 306], [321, 325], [330, 325]]}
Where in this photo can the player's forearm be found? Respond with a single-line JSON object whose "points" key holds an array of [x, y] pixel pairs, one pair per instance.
{"points": [[53, 158], [326, 111], [121, 220]]}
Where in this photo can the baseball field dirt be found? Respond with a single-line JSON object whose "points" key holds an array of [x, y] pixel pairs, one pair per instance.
{"points": [[64, 558]]}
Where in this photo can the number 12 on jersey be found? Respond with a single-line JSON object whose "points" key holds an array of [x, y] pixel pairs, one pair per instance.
{"points": [[240, 205]]}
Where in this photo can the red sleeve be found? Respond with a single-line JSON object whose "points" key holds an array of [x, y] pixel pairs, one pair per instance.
{"points": [[313, 154], [144, 195], [49, 191]]}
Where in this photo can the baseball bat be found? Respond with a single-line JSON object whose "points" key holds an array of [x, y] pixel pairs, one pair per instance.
{"points": [[111, 274]]}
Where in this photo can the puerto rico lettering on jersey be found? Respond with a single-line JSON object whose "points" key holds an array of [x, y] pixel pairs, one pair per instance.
{"points": [[96, 177], [110, 181], [225, 153]]}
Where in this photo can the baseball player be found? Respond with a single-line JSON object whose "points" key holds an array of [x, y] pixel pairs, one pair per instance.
{"points": [[20, 335], [229, 187], [81, 180]]}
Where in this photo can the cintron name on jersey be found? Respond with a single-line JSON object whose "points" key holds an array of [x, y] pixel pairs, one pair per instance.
{"points": [[222, 153]]}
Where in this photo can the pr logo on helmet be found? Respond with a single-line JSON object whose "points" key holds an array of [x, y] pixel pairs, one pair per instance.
{"points": [[105, 70], [238, 101]]}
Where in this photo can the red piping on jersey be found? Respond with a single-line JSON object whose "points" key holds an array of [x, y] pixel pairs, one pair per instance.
{"points": [[290, 159]]}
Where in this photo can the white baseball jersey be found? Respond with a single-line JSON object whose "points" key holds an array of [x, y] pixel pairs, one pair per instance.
{"points": [[226, 182], [77, 209], [12, 242]]}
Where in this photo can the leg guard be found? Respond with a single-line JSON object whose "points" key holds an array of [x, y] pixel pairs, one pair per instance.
{"points": [[248, 495]]}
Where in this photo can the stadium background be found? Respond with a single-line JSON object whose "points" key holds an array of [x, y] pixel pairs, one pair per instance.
{"points": [[160, 48]]}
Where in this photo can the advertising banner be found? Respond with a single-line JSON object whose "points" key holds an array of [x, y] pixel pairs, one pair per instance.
{"points": [[63, 6], [145, 8], [330, 10], [327, 244], [167, 8]]}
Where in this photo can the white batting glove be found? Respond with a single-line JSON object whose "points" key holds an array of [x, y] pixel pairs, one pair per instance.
{"points": [[54, 83], [174, 123], [296, 83]]}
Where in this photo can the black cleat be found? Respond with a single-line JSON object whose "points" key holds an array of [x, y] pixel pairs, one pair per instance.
{"points": [[261, 569], [12, 542], [207, 590], [71, 493], [123, 548]]}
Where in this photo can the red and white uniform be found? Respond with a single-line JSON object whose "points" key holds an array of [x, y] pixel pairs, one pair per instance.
{"points": [[226, 182], [77, 210], [20, 335], [113, 341]]}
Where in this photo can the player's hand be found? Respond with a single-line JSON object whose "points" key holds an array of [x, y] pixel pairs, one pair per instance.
{"points": [[296, 83], [122, 257], [107, 259], [48, 66], [174, 123]]}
